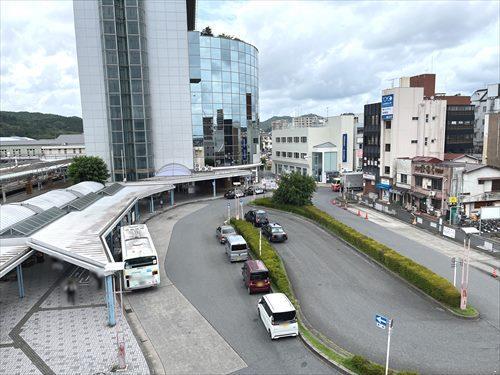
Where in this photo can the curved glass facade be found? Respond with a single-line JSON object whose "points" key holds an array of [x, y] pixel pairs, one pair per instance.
{"points": [[224, 99]]}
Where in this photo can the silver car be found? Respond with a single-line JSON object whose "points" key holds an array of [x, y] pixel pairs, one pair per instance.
{"points": [[223, 232]]}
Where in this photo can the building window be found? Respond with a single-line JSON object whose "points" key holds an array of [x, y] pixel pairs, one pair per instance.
{"points": [[289, 154], [283, 140], [418, 181], [256, 140], [437, 184], [296, 155], [404, 178], [481, 182], [277, 153], [303, 139], [415, 118], [388, 124], [289, 139], [387, 170], [414, 141], [283, 154], [296, 139], [303, 155], [277, 140], [426, 117], [388, 147]]}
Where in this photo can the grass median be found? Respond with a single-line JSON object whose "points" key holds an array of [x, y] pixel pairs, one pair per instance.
{"points": [[417, 275], [281, 283]]}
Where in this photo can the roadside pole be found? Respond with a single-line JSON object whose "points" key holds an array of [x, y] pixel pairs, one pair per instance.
{"points": [[237, 213], [388, 346], [228, 212], [241, 206], [260, 242], [454, 266]]}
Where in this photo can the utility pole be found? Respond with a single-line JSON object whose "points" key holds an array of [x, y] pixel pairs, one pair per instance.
{"points": [[391, 322], [260, 242]]}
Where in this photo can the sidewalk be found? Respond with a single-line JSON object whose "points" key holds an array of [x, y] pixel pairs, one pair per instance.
{"points": [[43, 333], [478, 259]]}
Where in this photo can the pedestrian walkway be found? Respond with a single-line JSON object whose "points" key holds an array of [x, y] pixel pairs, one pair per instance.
{"points": [[45, 333], [479, 260]]}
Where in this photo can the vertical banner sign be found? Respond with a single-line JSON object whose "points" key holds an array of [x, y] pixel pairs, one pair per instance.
{"points": [[244, 148], [344, 148], [387, 107]]}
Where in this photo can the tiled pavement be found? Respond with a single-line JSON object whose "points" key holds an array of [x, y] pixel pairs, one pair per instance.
{"points": [[43, 333]]}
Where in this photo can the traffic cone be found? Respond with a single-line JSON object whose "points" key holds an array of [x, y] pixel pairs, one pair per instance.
{"points": [[366, 215], [494, 273], [359, 213]]}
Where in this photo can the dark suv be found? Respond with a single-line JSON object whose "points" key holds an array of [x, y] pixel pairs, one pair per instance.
{"points": [[274, 232], [257, 217]]}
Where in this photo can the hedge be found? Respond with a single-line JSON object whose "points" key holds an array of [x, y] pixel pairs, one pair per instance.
{"points": [[434, 285], [270, 258]]}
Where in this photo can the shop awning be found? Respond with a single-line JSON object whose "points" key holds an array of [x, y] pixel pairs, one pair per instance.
{"points": [[417, 195]]}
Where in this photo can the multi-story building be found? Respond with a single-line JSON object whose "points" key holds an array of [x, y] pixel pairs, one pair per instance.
{"points": [[459, 135], [133, 67], [371, 147], [307, 120], [491, 144], [318, 150], [411, 126], [279, 124], [485, 101], [225, 99], [358, 152], [64, 146]]}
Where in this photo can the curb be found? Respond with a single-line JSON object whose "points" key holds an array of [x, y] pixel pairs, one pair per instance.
{"points": [[367, 257]]}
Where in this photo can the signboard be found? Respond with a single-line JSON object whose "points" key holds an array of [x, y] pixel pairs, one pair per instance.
{"points": [[367, 176], [452, 200], [244, 148], [387, 107], [492, 212], [448, 232], [381, 321], [344, 148]]}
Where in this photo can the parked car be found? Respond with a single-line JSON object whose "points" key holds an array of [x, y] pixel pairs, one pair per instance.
{"points": [[251, 190], [278, 315], [256, 276], [236, 248], [274, 232], [257, 217], [223, 232], [336, 184], [234, 193]]}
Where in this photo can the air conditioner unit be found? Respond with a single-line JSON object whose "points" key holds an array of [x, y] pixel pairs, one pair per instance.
{"points": [[196, 167], [205, 169], [209, 168]]}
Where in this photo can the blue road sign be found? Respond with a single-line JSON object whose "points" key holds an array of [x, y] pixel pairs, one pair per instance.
{"points": [[381, 321]]}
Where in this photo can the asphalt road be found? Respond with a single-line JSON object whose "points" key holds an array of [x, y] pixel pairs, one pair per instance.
{"points": [[484, 291], [340, 291], [197, 265]]}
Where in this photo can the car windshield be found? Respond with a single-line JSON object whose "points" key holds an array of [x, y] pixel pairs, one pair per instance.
{"points": [[238, 247], [227, 230], [140, 262], [284, 316], [277, 230], [263, 275], [261, 215]]}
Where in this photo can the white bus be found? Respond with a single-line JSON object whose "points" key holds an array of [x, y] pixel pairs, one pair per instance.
{"points": [[140, 259]]}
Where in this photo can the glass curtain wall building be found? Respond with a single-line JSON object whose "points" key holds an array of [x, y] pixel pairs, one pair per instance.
{"points": [[126, 75], [224, 100]]}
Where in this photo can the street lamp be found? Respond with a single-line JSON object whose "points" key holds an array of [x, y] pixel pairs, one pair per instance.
{"points": [[465, 268]]}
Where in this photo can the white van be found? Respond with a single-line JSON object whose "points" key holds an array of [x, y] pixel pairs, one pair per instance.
{"points": [[236, 248], [278, 315]]}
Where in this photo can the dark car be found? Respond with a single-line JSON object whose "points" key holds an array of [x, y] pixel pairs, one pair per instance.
{"points": [[234, 193], [251, 190], [257, 217], [274, 232]]}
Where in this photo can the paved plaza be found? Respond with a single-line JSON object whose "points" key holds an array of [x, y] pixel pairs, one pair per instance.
{"points": [[44, 333]]}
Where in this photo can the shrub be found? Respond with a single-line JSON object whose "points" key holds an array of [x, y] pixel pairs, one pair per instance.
{"points": [[295, 189], [432, 284]]}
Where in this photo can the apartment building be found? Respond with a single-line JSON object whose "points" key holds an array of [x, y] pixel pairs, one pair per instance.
{"points": [[491, 143], [371, 147], [307, 120]]}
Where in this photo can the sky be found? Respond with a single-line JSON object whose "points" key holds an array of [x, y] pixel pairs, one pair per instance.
{"points": [[324, 57]]}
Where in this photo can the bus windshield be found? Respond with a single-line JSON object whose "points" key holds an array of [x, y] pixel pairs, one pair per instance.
{"points": [[140, 262]]}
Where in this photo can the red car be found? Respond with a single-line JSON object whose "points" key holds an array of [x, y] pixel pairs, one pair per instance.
{"points": [[256, 276]]}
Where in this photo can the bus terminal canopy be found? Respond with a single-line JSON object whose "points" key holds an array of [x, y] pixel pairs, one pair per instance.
{"points": [[77, 233]]}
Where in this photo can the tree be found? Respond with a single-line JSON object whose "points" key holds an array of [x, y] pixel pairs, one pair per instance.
{"points": [[207, 31], [295, 189], [88, 168]]}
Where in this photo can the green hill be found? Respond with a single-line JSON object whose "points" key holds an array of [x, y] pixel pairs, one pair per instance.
{"points": [[38, 125]]}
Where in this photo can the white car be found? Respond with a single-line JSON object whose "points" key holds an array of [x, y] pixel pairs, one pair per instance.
{"points": [[278, 315]]}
